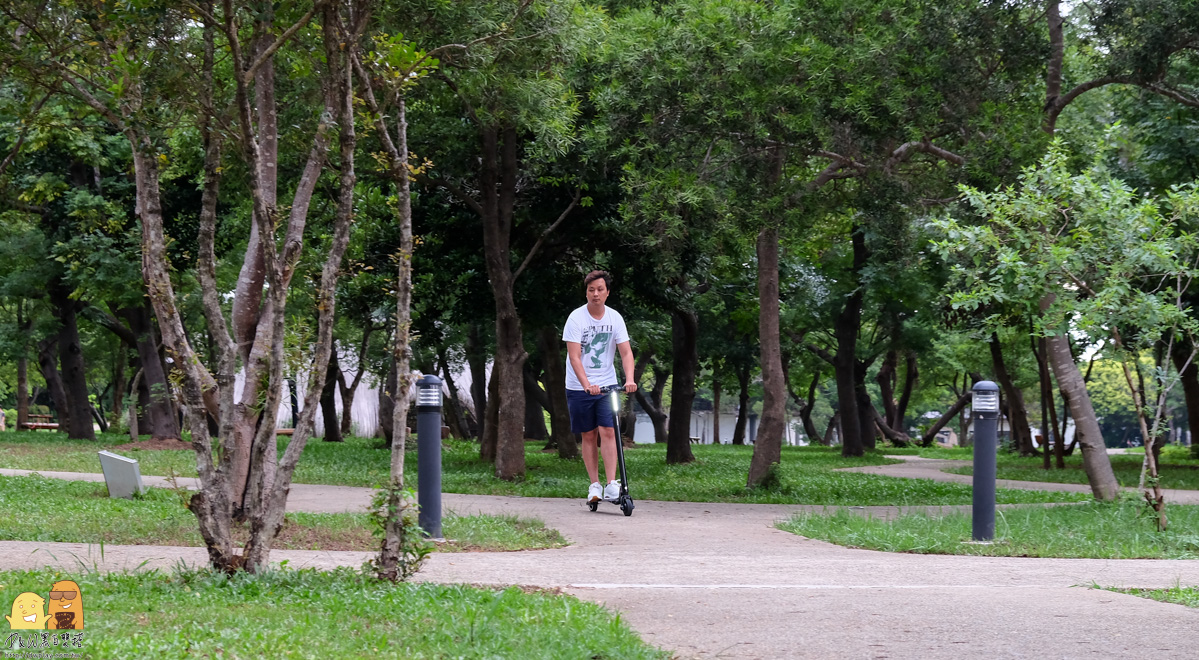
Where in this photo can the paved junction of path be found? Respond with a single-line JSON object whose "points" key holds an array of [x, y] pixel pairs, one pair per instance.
{"points": [[709, 580]]}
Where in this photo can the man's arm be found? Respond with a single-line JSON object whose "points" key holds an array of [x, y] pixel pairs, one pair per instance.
{"points": [[574, 354], [626, 361]]}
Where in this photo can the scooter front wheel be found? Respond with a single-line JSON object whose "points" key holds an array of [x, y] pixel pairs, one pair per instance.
{"points": [[627, 506]]}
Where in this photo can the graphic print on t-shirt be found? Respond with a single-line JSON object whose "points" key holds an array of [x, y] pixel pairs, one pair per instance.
{"points": [[595, 347]]}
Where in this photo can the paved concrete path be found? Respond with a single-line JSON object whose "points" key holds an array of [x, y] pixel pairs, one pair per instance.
{"points": [[719, 581], [915, 467]]}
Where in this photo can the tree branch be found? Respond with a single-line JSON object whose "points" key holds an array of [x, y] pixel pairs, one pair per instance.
{"points": [[547, 232]]}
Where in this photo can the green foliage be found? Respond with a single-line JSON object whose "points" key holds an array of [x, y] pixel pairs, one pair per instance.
{"points": [[1188, 596], [414, 548], [807, 474], [81, 512], [1098, 253], [1177, 469], [328, 614], [1091, 530]]}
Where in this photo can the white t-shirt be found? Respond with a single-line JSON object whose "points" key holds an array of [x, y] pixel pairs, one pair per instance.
{"points": [[597, 340]]}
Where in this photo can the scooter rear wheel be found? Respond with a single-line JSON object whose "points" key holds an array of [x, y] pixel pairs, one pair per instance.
{"points": [[593, 506]]}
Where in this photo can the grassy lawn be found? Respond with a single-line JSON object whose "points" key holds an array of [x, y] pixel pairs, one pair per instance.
{"points": [[1188, 596], [1177, 469], [718, 474], [53, 510], [1091, 530], [336, 614]]}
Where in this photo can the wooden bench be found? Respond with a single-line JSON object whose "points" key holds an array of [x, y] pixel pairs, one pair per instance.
{"points": [[284, 431], [34, 426]]}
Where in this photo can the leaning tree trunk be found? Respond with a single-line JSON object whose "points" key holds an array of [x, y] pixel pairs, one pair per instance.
{"points": [[769, 442], [329, 401], [158, 410], [476, 360], [74, 375], [1189, 378], [1017, 415], [685, 341], [742, 405], [1086, 426], [387, 405], [652, 405], [47, 362], [555, 389], [456, 416], [534, 411], [490, 438]]}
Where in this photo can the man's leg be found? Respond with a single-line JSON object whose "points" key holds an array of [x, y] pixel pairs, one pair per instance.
{"points": [[607, 436], [591, 456]]}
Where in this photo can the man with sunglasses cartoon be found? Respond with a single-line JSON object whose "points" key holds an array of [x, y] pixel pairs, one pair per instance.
{"points": [[66, 607]]}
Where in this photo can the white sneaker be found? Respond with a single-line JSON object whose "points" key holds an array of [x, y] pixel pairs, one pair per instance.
{"points": [[612, 491], [595, 492]]}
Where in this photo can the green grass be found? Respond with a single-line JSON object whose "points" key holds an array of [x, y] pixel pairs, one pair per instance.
{"points": [[335, 614], [1177, 469], [53, 510], [1188, 596], [718, 474], [930, 452], [1092, 530]]}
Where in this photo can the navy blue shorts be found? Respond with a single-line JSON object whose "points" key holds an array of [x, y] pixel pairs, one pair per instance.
{"points": [[588, 412]]}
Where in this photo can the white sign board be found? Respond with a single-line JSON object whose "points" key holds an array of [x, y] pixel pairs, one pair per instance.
{"points": [[123, 476]]}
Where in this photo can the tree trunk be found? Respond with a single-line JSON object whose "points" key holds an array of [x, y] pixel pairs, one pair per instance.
{"points": [[1189, 378], [1086, 427], [490, 438], [910, 377], [742, 405], [457, 420], [329, 401], [534, 411], [1017, 415], [954, 410], [23, 327], [684, 340], [886, 379], [120, 362], [387, 405], [476, 359], [47, 361], [70, 354], [349, 390], [769, 442], [846, 327], [833, 425], [555, 389], [652, 404], [158, 411], [499, 186], [715, 410]]}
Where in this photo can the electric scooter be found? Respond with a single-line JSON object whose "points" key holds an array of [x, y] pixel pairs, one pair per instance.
{"points": [[623, 500]]}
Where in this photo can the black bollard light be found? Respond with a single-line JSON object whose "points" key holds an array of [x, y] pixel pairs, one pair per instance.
{"points": [[985, 410], [428, 455]]}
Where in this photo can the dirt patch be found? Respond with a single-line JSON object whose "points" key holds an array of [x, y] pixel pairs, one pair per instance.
{"points": [[155, 444]]}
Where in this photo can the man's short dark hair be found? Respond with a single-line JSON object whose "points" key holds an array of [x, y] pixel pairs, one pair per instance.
{"points": [[598, 275]]}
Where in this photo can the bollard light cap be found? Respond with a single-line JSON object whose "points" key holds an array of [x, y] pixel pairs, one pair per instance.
{"points": [[428, 392], [986, 397]]}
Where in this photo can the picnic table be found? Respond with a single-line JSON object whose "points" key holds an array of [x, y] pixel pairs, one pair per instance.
{"points": [[42, 422]]}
